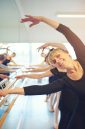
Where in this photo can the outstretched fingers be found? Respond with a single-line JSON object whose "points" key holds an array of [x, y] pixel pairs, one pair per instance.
{"points": [[42, 47], [29, 18]]}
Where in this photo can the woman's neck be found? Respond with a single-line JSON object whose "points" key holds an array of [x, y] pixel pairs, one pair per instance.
{"points": [[76, 72]]}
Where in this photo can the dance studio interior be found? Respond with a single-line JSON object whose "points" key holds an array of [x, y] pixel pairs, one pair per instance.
{"points": [[33, 111]]}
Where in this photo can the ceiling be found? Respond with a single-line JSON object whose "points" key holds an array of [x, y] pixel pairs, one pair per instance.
{"points": [[11, 30]]}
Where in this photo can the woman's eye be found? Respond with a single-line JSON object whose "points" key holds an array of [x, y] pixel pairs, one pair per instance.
{"points": [[57, 56]]}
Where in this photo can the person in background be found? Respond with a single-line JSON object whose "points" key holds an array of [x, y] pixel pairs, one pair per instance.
{"points": [[9, 58], [5, 62], [2, 58], [2, 76]]}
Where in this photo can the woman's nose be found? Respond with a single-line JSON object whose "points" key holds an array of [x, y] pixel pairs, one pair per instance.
{"points": [[58, 59]]}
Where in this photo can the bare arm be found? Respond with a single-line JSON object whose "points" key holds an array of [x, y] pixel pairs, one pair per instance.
{"points": [[72, 38], [41, 69], [50, 22], [60, 45], [36, 76], [5, 92], [3, 76], [37, 19], [6, 70], [20, 91]]}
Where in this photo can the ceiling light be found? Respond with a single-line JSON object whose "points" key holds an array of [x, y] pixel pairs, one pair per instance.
{"points": [[71, 15]]}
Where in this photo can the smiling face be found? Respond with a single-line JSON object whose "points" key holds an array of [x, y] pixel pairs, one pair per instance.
{"points": [[60, 59]]}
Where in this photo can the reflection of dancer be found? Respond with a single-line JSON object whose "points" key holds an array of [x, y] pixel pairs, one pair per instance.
{"points": [[74, 79], [9, 58], [6, 49], [2, 76]]}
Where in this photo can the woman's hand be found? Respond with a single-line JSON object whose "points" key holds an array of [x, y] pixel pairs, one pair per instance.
{"points": [[42, 47], [3, 92], [34, 19], [3, 76]]}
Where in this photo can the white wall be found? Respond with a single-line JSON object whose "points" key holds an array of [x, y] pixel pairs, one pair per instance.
{"points": [[11, 30]]}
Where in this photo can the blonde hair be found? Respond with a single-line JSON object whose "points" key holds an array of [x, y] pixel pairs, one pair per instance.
{"points": [[54, 52], [13, 54]]}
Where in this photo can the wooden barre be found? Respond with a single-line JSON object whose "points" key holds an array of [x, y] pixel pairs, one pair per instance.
{"points": [[7, 111]]}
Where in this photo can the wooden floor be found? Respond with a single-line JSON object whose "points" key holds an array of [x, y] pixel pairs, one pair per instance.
{"points": [[29, 112]]}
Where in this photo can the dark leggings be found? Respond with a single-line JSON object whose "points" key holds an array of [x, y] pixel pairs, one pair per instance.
{"points": [[78, 118], [64, 120], [69, 116]]}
